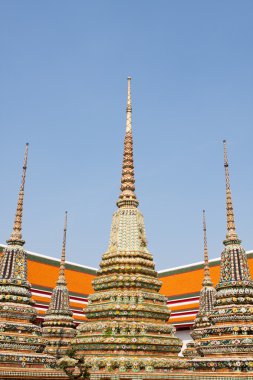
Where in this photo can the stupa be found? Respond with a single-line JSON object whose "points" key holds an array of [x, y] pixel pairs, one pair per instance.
{"points": [[58, 326], [21, 344], [227, 344], [126, 332], [206, 302]]}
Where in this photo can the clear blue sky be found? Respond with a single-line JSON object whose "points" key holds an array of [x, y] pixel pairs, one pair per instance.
{"points": [[63, 85]]}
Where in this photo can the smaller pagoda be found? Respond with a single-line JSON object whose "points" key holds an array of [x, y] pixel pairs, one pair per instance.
{"points": [[227, 344], [21, 343], [58, 326], [206, 302]]}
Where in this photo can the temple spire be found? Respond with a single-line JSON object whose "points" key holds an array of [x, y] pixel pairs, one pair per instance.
{"points": [[16, 235], [127, 196], [231, 231], [129, 107], [62, 279], [207, 279]]}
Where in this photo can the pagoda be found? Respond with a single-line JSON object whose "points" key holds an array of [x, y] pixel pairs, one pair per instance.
{"points": [[227, 344], [21, 344], [206, 302], [126, 332], [58, 326]]}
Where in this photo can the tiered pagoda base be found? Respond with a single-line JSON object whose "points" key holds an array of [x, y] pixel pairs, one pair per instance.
{"points": [[128, 346], [58, 338], [21, 344]]}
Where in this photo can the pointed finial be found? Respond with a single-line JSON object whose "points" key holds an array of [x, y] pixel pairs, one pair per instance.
{"points": [[61, 279], [207, 279], [129, 107], [16, 235], [231, 231], [127, 196]]}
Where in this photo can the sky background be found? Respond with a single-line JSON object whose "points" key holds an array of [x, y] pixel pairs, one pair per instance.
{"points": [[63, 88]]}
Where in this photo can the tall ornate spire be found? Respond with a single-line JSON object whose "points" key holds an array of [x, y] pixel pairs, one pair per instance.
{"points": [[127, 196], [231, 231], [16, 235], [207, 279], [129, 107], [62, 279]]}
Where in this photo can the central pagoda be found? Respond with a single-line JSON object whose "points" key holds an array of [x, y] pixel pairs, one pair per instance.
{"points": [[127, 330]]}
